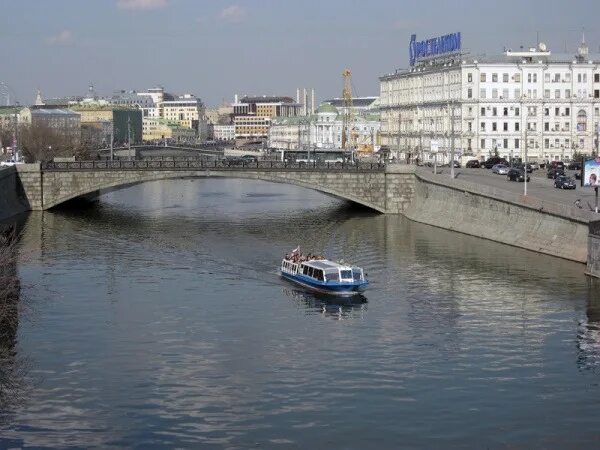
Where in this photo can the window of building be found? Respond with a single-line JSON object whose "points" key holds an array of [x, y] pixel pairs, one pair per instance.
{"points": [[557, 93], [597, 78], [517, 112], [505, 111], [482, 143], [505, 143], [585, 77], [469, 77], [547, 77], [516, 143], [535, 93], [517, 126], [567, 126], [567, 93], [517, 77], [469, 143], [494, 111], [470, 126], [469, 93], [505, 126], [567, 143], [482, 77], [505, 93], [596, 93], [557, 77], [494, 93], [494, 126], [567, 112], [535, 77], [482, 93], [568, 76], [482, 126], [579, 78], [494, 78], [581, 120], [557, 111], [483, 111], [546, 126], [546, 93], [517, 93], [546, 143], [529, 78], [505, 77]]}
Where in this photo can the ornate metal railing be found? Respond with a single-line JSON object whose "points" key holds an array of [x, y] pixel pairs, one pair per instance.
{"points": [[206, 164]]}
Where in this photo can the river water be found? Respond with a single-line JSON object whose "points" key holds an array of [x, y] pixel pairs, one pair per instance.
{"points": [[158, 319]]}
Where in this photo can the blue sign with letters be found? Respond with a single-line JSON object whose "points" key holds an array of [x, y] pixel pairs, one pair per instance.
{"points": [[432, 47]]}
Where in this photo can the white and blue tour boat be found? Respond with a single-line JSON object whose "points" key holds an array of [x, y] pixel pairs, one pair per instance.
{"points": [[322, 275]]}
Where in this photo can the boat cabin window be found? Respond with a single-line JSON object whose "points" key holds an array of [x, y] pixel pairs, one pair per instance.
{"points": [[311, 272], [332, 276], [319, 275], [346, 274], [305, 270], [356, 274]]}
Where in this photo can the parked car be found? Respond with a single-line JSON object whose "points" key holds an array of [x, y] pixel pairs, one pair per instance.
{"points": [[554, 173], [516, 174], [563, 182], [574, 165], [500, 169], [456, 164], [557, 165], [473, 164], [535, 166], [491, 162]]}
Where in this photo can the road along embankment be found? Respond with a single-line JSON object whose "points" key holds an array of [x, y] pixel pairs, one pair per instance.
{"points": [[12, 197], [501, 216]]}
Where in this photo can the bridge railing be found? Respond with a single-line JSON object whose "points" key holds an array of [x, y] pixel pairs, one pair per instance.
{"points": [[200, 164]]}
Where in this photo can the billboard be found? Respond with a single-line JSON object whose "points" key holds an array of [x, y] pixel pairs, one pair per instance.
{"points": [[417, 50], [591, 173]]}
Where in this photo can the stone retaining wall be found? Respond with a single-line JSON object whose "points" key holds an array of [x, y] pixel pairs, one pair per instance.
{"points": [[501, 216]]}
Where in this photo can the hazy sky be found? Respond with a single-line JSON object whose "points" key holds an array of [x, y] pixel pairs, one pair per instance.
{"points": [[216, 48]]}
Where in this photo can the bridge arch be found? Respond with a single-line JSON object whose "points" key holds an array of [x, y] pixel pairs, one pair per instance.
{"points": [[366, 188]]}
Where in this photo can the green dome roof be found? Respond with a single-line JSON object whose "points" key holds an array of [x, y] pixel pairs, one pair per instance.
{"points": [[325, 108]]}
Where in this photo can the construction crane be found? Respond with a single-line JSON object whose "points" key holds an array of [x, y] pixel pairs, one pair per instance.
{"points": [[348, 140]]}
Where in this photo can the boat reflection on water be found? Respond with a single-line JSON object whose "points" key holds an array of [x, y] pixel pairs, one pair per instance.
{"points": [[339, 308]]}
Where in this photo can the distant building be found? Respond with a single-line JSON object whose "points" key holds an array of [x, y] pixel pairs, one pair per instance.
{"points": [[97, 123], [323, 130], [187, 111], [223, 133], [252, 116], [64, 122], [158, 129]]}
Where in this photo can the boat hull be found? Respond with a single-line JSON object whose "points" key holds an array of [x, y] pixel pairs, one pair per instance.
{"points": [[339, 289]]}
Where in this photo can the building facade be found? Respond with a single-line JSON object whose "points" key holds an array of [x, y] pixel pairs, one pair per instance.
{"points": [[323, 130], [223, 133], [523, 101], [63, 122], [156, 129]]}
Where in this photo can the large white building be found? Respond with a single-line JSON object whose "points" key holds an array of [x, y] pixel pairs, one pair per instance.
{"points": [[323, 130], [481, 107]]}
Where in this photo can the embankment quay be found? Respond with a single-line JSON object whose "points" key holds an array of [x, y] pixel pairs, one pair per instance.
{"points": [[493, 210]]}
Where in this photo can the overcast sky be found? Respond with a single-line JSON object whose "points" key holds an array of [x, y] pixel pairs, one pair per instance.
{"points": [[216, 48]]}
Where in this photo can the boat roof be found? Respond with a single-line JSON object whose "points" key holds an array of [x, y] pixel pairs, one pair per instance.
{"points": [[325, 264]]}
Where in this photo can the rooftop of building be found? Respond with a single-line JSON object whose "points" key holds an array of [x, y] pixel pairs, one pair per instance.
{"points": [[96, 107], [53, 111], [266, 99], [10, 110], [357, 102], [327, 108]]}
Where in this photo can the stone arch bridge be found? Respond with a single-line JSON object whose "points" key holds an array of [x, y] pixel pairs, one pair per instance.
{"points": [[385, 189]]}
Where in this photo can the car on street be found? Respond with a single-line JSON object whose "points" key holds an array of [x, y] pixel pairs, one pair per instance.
{"points": [[535, 166], [500, 169], [456, 164], [516, 174], [563, 182], [574, 165], [473, 164], [491, 162], [555, 173]]}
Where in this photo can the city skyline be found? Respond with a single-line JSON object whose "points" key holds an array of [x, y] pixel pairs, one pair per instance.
{"points": [[218, 49]]}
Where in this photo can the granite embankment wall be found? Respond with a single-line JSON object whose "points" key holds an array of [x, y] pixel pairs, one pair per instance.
{"points": [[13, 200], [501, 216]]}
